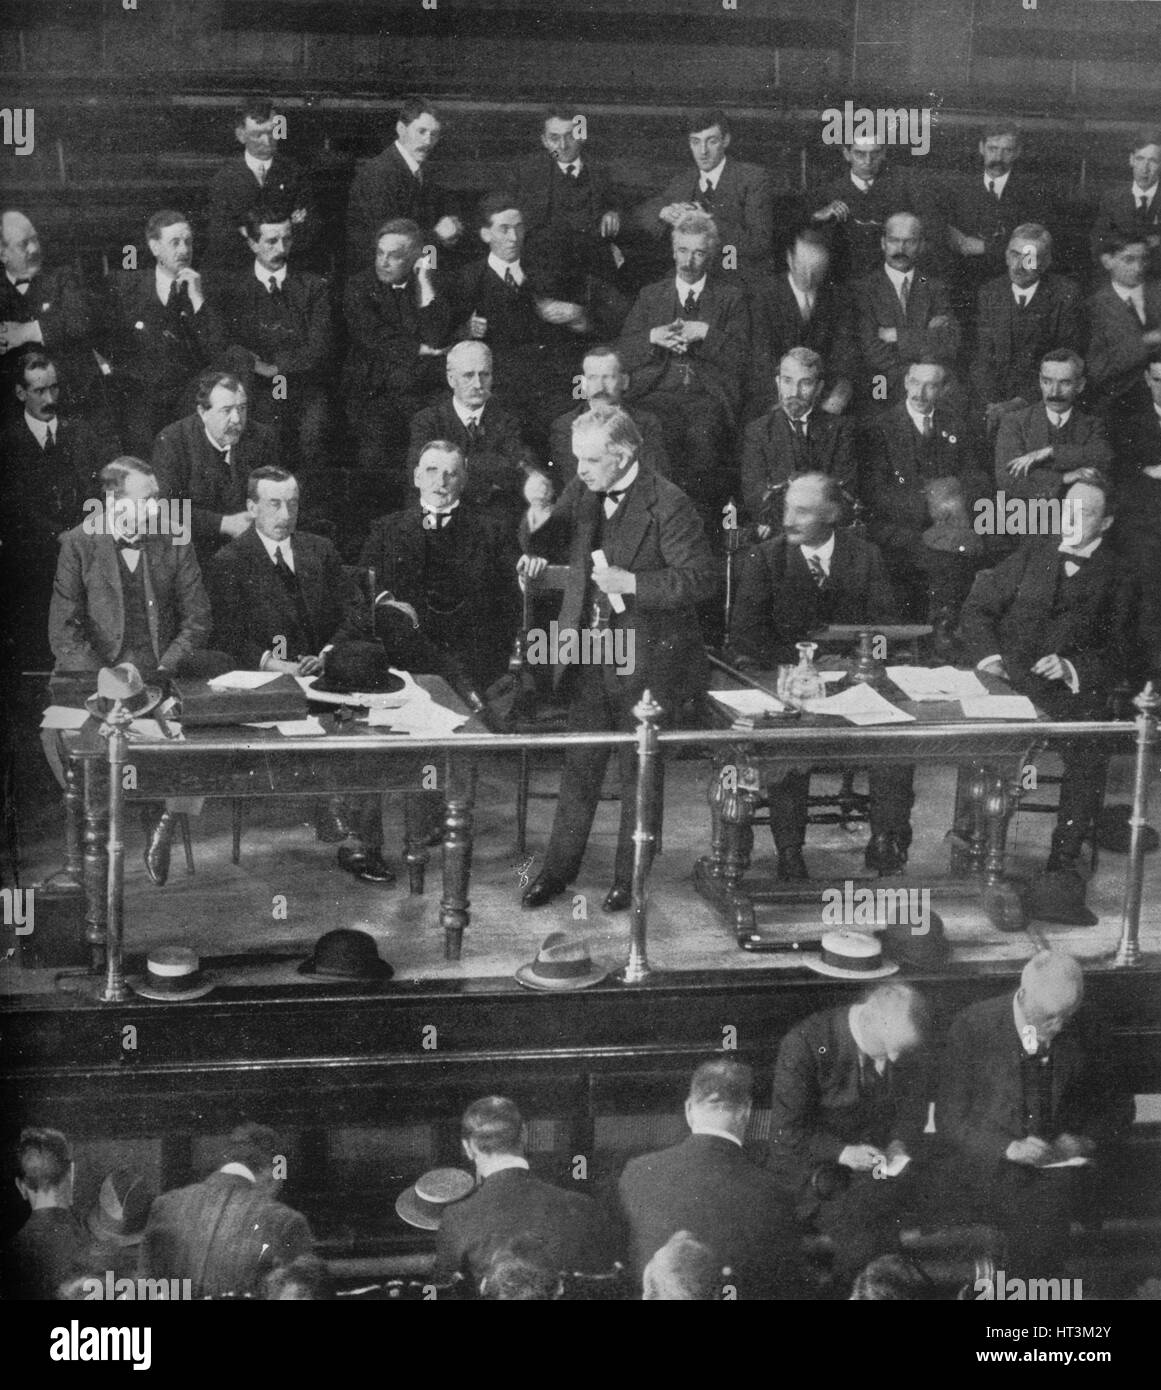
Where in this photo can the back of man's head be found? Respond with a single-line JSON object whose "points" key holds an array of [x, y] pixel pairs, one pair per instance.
{"points": [[493, 1125], [256, 1147], [683, 1270], [520, 1271], [1051, 984], [720, 1095], [44, 1163]]}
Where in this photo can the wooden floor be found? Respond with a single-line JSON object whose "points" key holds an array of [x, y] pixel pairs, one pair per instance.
{"points": [[225, 909]]}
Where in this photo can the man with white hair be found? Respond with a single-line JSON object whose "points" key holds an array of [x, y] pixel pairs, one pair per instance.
{"points": [[1022, 1093], [639, 564]]}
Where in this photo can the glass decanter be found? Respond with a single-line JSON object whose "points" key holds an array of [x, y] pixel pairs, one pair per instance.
{"points": [[802, 682]]}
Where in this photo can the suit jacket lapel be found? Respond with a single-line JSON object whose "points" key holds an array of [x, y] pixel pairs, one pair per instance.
{"points": [[633, 523]]}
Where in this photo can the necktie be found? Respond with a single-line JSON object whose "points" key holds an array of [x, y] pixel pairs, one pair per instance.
{"points": [[273, 288], [690, 306], [571, 170], [817, 573], [473, 432], [510, 280], [284, 571], [1142, 203], [800, 429], [49, 443], [261, 175], [1022, 301], [1139, 309], [807, 307], [925, 426], [904, 294], [992, 189], [706, 191]]}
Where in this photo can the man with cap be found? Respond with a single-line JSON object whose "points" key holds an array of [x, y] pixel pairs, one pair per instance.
{"points": [[225, 1233], [510, 1202], [707, 1187], [1023, 1087], [848, 1109], [52, 1241]]}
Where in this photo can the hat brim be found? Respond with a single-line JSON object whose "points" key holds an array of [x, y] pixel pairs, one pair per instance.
{"points": [[140, 984], [927, 951], [839, 972], [425, 1216], [107, 1237], [384, 970], [593, 976], [101, 706]]}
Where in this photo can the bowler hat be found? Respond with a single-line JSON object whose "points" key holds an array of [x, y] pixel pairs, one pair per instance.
{"points": [[358, 668], [348, 955], [122, 685], [562, 963], [423, 1203], [926, 950], [1057, 895], [172, 973], [1113, 831], [119, 1214]]}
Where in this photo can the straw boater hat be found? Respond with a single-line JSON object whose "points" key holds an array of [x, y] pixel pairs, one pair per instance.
{"points": [[172, 973], [850, 955], [123, 683], [562, 963], [119, 1214], [423, 1203]]}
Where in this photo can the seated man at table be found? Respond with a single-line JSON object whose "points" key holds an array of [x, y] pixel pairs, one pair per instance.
{"points": [[847, 1099], [1053, 620], [125, 592], [804, 579], [281, 600]]}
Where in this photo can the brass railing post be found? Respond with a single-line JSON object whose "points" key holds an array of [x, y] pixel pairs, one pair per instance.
{"points": [[647, 713], [114, 728], [1128, 948]]}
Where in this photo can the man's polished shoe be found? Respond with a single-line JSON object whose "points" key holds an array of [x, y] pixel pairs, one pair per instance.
{"points": [[618, 898], [885, 854], [158, 846], [540, 891], [330, 822], [366, 864], [792, 866]]}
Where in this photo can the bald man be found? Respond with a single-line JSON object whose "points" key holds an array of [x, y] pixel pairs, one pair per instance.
{"points": [[1021, 1092]]}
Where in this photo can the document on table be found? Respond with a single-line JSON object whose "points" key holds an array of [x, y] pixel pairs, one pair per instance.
{"points": [[937, 683], [63, 717], [1077, 1161], [748, 702], [421, 717], [999, 707], [150, 731], [242, 680], [860, 704], [295, 728]]}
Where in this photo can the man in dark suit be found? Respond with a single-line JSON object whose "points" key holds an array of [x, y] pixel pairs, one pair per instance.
{"points": [[804, 308], [737, 195], [706, 1186], [454, 566], [227, 1232], [570, 204], [278, 321], [165, 332], [398, 183], [604, 382], [984, 209], [50, 470], [1136, 532], [52, 1242], [1021, 316], [208, 456], [1124, 327], [1134, 210], [508, 1203], [281, 600], [807, 577], [398, 329], [1041, 449], [856, 205], [849, 1105], [796, 436], [900, 314], [685, 346], [911, 447], [44, 308], [1023, 1086], [1053, 621], [486, 434], [639, 564], [263, 174]]}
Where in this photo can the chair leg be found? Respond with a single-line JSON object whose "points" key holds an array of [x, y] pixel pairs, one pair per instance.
{"points": [[186, 843], [237, 806], [523, 773]]}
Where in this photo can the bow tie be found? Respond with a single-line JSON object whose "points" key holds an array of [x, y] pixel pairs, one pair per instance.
{"points": [[1070, 557], [613, 496], [26, 281], [438, 519], [124, 544]]}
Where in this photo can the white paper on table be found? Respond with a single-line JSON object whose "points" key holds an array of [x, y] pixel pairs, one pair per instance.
{"points": [[999, 707], [1077, 1161], [833, 675], [294, 728], [938, 683], [860, 704], [62, 717], [149, 731], [242, 680], [748, 702]]}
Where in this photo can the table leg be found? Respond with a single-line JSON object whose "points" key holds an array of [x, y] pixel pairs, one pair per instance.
{"points": [[95, 871], [417, 828], [1000, 898], [457, 856], [72, 875]]}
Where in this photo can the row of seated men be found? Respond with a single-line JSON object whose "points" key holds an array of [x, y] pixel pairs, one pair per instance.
{"points": [[1024, 1086], [1057, 618]]}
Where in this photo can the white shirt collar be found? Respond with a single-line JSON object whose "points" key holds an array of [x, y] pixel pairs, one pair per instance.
{"points": [[999, 183], [438, 511], [1061, 416], [272, 546], [1134, 296], [713, 178], [503, 267], [20, 289], [1024, 293], [264, 276], [164, 282], [917, 417], [626, 480], [257, 166], [897, 277], [41, 428], [1157, 410], [466, 416], [822, 553], [502, 1162], [862, 184], [1139, 192], [1082, 550], [805, 298], [716, 1133], [578, 163], [408, 159], [238, 1170], [684, 290]]}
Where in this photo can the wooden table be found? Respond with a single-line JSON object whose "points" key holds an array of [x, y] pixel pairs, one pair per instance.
{"points": [[236, 761]]}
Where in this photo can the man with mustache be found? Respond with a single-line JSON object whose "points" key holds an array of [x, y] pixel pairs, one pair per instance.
{"points": [[855, 206], [604, 381]]}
